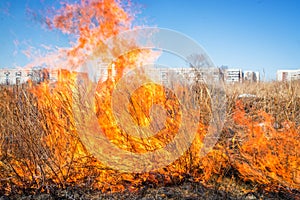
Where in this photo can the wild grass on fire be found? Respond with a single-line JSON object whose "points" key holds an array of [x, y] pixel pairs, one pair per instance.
{"points": [[259, 144]]}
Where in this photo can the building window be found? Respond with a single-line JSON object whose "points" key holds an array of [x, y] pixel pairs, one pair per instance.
{"points": [[7, 73], [18, 73], [7, 81], [18, 80]]}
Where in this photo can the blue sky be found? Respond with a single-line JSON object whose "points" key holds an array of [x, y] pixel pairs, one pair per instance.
{"points": [[260, 35]]}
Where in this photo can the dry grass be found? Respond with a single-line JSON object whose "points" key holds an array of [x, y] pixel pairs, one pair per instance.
{"points": [[40, 148], [279, 99]]}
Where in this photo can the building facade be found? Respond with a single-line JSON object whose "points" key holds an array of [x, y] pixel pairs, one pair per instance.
{"points": [[21, 76], [204, 75], [14, 76], [37, 75], [288, 75], [233, 76], [251, 76]]}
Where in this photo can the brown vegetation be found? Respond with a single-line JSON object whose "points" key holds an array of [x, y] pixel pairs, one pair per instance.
{"points": [[258, 148]]}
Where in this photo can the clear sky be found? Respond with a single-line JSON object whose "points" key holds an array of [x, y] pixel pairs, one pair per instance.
{"points": [[259, 35]]}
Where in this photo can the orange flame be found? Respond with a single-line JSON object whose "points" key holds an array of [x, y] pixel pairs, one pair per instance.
{"points": [[56, 154], [266, 155]]}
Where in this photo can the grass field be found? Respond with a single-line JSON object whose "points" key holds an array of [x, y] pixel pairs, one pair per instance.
{"points": [[258, 149]]}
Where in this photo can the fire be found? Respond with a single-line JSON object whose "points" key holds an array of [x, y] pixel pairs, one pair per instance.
{"points": [[139, 108], [44, 146], [266, 155], [92, 22]]}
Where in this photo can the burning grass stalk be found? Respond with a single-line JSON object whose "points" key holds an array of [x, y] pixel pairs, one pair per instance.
{"points": [[40, 147]]}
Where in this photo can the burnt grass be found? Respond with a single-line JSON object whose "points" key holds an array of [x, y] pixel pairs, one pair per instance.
{"points": [[187, 190]]}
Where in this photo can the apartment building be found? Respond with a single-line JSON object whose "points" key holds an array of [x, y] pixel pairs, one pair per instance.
{"points": [[20, 76], [38, 74], [14, 76], [251, 76], [288, 75], [233, 76]]}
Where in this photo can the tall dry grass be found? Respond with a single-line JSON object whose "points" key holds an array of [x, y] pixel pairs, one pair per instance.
{"points": [[280, 99], [40, 148]]}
